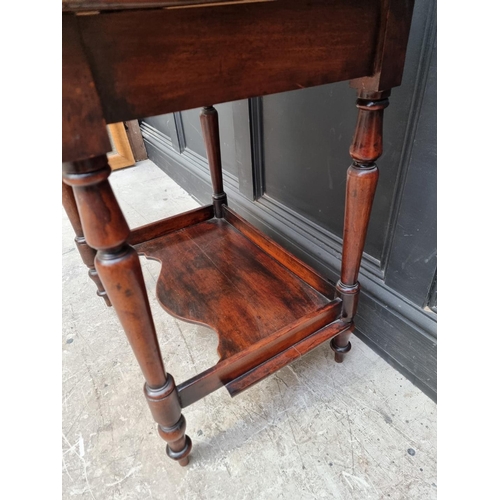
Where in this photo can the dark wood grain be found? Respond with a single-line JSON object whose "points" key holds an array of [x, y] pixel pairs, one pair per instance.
{"points": [[103, 5], [303, 271], [164, 226], [83, 127], [86, 252], [224, 53], [360, 190], [266, 307], [215, 276], [119, 268], [394, 30], [238, 364], [285, 357], [362, 177]]}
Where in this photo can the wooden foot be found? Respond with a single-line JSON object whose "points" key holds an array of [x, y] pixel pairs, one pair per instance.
{"points": [[86, 253], [341, 346], [166, 409], [118, 265]]}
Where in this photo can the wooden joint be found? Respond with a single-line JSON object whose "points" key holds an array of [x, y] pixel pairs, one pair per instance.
{"points": [[115, 253], [349, 295], [219, 200], [366, 145], [86, 253], [363, 170], [174, 432], [371, 104], [209, 110], [100, 289], [164, 403], [85, 166], [340, 344], [102, 221], [373, 95], [340, 349], [178, 444], [87, 178]]}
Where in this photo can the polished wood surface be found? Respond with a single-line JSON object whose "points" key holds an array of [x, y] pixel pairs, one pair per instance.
{"points": [[140, 59], [394, 27], [362, 177], [103, 5], [165, 226], [84, 132], [277, 252], [213, 275], [118, 266], [228, 52], [268, 367], [241, 363], [87, 253]]}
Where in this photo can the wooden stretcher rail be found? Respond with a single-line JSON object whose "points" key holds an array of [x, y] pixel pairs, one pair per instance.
{"points": [[235, 366], [164, 226], [295, 351]]}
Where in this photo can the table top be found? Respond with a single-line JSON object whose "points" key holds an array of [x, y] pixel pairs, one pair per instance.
{"points": [[137, 62], [101, 5]]}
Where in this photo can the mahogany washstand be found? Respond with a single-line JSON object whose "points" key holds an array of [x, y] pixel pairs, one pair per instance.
{"points": [[128, 59]]}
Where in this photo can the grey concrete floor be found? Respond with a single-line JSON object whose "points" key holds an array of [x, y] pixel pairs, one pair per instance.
{"points": [[313, 430]]}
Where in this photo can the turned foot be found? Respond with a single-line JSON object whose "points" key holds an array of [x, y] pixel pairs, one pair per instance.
{"points": [[340, 344], [166, 409], [340, 352], [106, 230], [178, 443]]}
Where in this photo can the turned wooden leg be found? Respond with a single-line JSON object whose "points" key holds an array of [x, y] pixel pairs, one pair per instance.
{"points": [[362, 178], [119, 268], [209, 119], [87, 253]]}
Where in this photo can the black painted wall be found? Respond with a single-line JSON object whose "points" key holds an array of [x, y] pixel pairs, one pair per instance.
{"points": [[285, 158]]}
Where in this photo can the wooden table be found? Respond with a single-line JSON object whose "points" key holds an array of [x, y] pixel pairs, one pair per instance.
{"points": [[128, 59]]}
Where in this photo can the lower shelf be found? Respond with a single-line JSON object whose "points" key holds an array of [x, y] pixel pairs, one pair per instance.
{"points": [[265, 305]]}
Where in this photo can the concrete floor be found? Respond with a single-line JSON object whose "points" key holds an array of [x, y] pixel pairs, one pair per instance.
{"points": [[313, 430]]}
